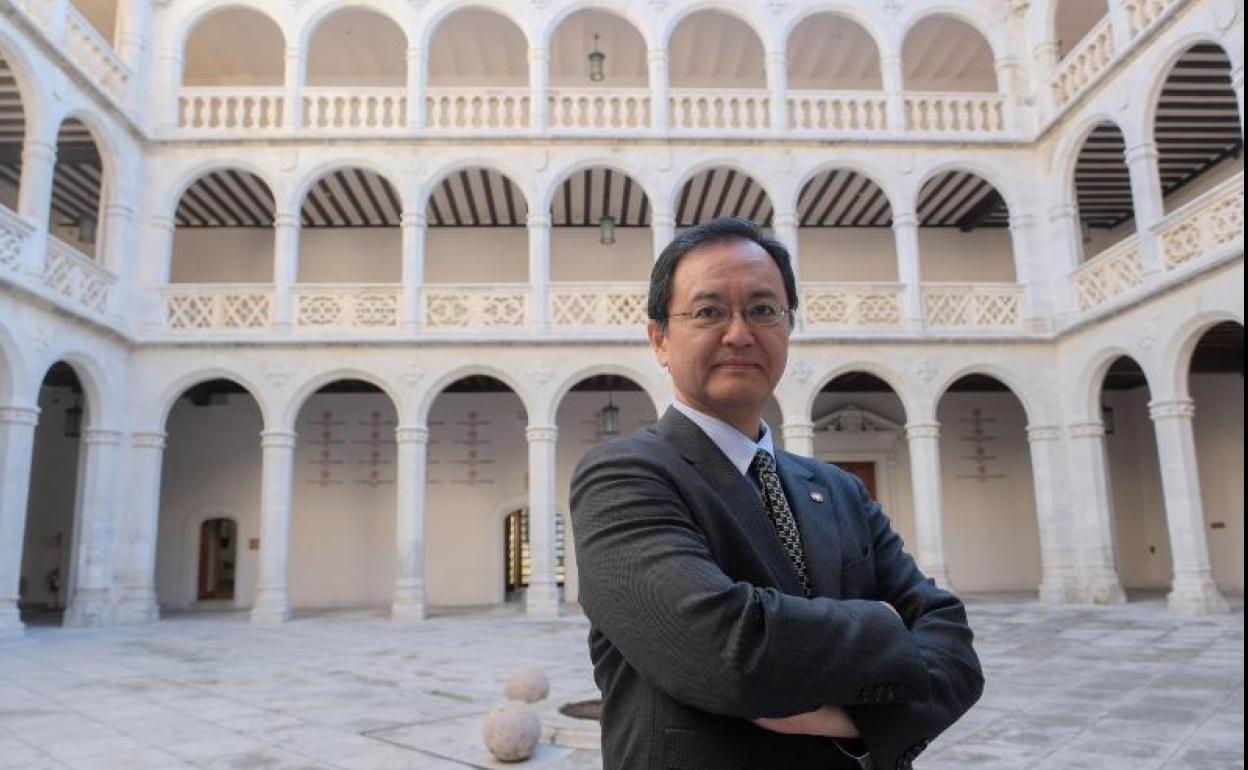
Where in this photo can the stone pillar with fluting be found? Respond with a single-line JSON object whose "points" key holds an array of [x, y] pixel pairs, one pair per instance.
{"points": [[923, 439], [542, 596], [17, 442], [272, 604], [409, 531], [1193, 591]]}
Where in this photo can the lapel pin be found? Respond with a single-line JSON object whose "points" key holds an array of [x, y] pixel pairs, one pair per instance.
{"points": [[817, 496]]}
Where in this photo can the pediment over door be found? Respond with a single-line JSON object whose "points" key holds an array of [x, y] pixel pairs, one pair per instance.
{"points": [[856, 427]]}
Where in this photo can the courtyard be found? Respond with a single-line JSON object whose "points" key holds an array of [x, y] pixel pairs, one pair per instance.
{"points": [[1128, 686]]}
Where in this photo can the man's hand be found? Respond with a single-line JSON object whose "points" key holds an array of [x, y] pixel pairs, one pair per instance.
{"points": [[827, 721]]}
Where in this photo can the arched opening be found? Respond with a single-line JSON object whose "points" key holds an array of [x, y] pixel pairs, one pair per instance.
{"points": [[101, 15], [845, 237], [357, 47], [829, 52], [349, 233], [1196, 126], [722, 191], [343, 507], [477, 251], [860, 426], [601, 228], [470, 49], [942, 53], [12, 138], [598, 50], [78, 185], [223, 233], [53, 508], [1141, 537], [477, 476], [717, 74], [1216, 384], [1103, 190], [234, 47], [988, 489], [1073, 20], [210, 472]]}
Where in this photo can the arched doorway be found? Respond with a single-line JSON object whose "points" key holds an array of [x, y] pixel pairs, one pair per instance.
{"points": [[218, 559]]}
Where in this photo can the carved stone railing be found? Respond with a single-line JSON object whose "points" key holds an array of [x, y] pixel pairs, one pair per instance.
{"points": [[13, 233], [218, 306], [39, 10], [719, 109], [838, 111], [598, 108], [851, 305], [1084, 62], [1114, 271], [350, 306], [1143, 13], [354, 109], [230, 109], [475, 306], [76, 277], [95, 55], [973, 305], [477, 109], [603, 305], [955, 113], [1203, 225]]}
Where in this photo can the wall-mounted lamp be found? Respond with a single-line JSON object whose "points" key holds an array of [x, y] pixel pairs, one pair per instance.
{"points": [[597, 60], [606, 230]]}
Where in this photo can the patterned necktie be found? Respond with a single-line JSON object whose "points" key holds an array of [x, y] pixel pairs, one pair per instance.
{"points": [[764, 467]]}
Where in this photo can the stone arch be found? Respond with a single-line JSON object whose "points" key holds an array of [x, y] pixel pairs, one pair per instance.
{"points": [[440, 173], [1066, 157], [298, 398], [310, 23], [873, 175], [1052, 27], [105, 145], [741, 11], [1156, 82], [982, 170], [188, 24], [883, 372], [840, 13], [1175, 358], [189, 176], [996, 43], [657, 398], [1007, 377], [96, 389], [690, 172], [501, 8], [546, 195], [677, 39], [325, 15], [30, 90], [623, 10], [172, 391], [425, 405], [1091, 381], [298, 192]]}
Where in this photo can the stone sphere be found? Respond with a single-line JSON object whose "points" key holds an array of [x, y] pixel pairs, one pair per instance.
{"points": [[511, 731], [528, 684]]}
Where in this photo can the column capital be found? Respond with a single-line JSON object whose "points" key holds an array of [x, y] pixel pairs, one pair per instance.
{"points": [[286, 219], [162, 222], [538, 54], [1061, 211], [1140, 151], [1006, 62], [1091, 429], [537, 219], [91, 436], [1176, 408], [149, 439], [414, 52], [776, 57], [1237, 77], [662, 219], [799, 430], [541, 433], [1043, 433], [19, 415], [38, 150], [1022, 221], [657, 55], [277, 439], [922, 430], [890, 59], [1046, 48], [119, 210], [293, 52], [413, 219], [785, 219], [411, 434], [905, 219]]}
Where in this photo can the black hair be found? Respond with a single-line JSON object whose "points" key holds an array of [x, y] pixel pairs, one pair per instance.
{"points": [[722, 230]]}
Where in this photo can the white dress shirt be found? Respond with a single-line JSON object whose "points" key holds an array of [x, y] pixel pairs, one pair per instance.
{"points": [[736, 446]]}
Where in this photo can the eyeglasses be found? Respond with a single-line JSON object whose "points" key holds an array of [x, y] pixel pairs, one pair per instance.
{"points": [[760, 315]]}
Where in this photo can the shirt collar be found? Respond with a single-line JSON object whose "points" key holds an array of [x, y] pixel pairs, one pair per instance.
{"points": [[736, 446]]}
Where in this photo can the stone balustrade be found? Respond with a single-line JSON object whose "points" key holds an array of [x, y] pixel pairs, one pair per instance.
{"points": [[74, 276], [1204, 226], [1088, 59], [851, 305], [997, 306], [1109, 274]]}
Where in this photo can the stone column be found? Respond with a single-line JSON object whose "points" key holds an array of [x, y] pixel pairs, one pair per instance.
{"points": [[906, 234], [17, 441], [90, 598], [777, 66], [1120, 25], [786, 229], [799, 438], [116, 254], [539, 270], [1059, 580], [660, 109], [167, 84], [131, 42], [1045, 57], [155, 268], [663, 230], [539, 89], [924, 442], [136, 578], [542, 596], [286, 232], [409, 530], [1237, 82], [1066, 248], [1092, 525], [278, 451], [292, 108], [417, 85], [1007, 86], [1193, 591], [413, 269], [35, 200], [894, 92], [1149, 207], [1037, 308]]}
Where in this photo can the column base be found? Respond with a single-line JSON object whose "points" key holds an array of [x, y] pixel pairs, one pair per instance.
{"points": [[271, 608], [89, 608], [137, 607], [541, 601], [1103, 588], [1196, 595], [1060, 588], [407, 611], [11, 626]]}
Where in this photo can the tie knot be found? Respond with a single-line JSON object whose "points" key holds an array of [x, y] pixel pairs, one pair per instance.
{"points": [[764, 462]]}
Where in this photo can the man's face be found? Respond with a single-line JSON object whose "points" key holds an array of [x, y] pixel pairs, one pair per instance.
{"points": [[730, 370]]}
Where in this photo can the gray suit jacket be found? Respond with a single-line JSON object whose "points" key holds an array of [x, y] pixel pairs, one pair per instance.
{"points": [[699, 623]]}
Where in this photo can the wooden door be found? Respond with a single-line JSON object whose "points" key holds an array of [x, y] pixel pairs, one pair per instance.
{"points": [[217, 549], [864, 471]]}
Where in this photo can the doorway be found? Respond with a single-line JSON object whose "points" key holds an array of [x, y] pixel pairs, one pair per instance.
{"points": [[218, 545], [865, 471]]}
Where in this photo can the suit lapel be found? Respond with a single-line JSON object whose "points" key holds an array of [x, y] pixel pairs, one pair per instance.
{"points": [[735, 492], [811, 503]]}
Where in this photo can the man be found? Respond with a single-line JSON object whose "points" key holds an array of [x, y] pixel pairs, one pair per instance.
{"points": [[750, 609]]}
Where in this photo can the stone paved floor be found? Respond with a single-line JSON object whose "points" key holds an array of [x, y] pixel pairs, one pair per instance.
{"points": [[1103, 688]]}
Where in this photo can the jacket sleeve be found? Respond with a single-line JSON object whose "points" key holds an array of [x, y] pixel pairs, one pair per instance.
{"points": [[648, 582], [896, 733]]}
